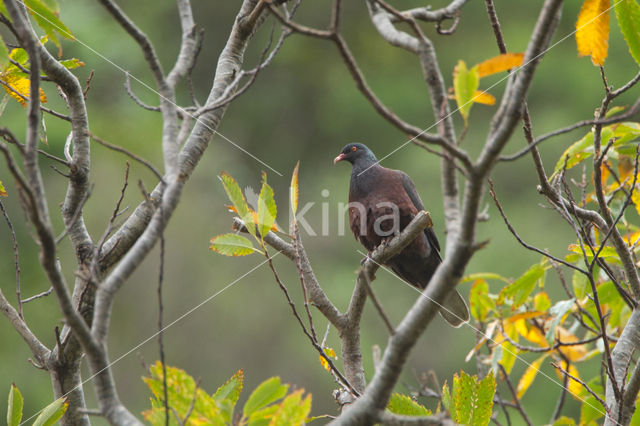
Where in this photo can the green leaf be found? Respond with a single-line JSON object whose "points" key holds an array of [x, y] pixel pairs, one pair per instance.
{"points": [[615, 110], [72, 63], [267, 210], [446, 397], [232, 245], [406, 406], [628, 15], [3, 10], [48, 20], [293, 410], [590, 410], [564, 421], [263, 416], [508, 358], [14, 408], [181, 390], [481, 303], [484, 276], [541, 302], [236, 197], [463, 395], [581, 150], [484, 401], [521, 288], [231, 388], [227, 395], [465, 84], [52, 413], [558, 311], [267, 392], [4, 54], [580, 284]]}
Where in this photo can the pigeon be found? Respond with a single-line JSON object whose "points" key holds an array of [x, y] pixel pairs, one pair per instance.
{"points": [[382, 202]]}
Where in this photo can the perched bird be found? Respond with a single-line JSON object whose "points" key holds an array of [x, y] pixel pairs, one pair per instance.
{"points": [[382, 202]]}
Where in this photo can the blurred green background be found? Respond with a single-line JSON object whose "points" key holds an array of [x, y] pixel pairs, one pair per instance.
{"points": [[303, 107]]}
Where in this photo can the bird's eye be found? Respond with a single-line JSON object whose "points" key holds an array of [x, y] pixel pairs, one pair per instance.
{"points": [[353, 148]]}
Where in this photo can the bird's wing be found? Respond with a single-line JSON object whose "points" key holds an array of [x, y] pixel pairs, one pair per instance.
{"points": [[410, 189]]}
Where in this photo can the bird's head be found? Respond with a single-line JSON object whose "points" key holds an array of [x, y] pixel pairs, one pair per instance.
{"points": [[356, 152]]}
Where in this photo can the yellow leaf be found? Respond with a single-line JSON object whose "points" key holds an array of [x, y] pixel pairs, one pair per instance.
{"points": [[574, 352], [592, 30], [3, 192], [499, 63], [527, 378], [293, 190], [524, 315], [21, 85], [485, 98], [324, 363], [532, 334], [635, 197], [575, 388]]}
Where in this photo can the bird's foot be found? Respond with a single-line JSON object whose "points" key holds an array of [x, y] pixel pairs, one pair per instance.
{"points": [[364, 259]]}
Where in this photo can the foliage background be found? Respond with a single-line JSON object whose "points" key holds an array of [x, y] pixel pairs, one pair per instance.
{"points": [[304, 106]]}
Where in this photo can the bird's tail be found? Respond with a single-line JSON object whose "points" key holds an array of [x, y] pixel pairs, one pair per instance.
{"points": [[455, 310]]}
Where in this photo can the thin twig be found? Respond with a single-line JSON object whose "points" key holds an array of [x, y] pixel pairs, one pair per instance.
{"points": [[516, 400], [37, 296], [584, 385], [16, 262], [129, 154]]}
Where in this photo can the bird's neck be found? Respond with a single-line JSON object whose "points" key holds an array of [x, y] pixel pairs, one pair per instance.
{"points": [[363, 177]]}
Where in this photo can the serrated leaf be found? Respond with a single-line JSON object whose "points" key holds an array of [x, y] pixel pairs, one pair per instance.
{"points": [[14, 408], [480, 302], [232, 245], [592, 30], [48, 20], [406, 406], [236, 197], [485, 390], [266, 393], [267, 209], [465, 84], [293, 410], [227, 395], [463, 395], [529, 375], [628, 15], [293, 191], [52, 413], [519, 291], [446, 397], [499, 63]]}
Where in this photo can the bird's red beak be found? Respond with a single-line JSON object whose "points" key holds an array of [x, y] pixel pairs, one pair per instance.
{"points": [[338, 158]]}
